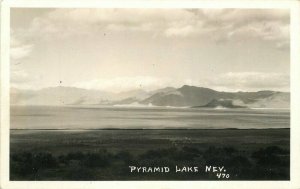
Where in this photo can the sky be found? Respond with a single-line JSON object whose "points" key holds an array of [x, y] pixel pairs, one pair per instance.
{"points": [[119, 50]]}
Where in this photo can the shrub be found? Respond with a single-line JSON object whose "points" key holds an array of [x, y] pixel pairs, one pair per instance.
{"points": [[124, 156], [96, 160], [271, 156], [27, 163]]}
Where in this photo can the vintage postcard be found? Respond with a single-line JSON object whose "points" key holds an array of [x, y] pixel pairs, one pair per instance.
{"points": [[149, 94]]}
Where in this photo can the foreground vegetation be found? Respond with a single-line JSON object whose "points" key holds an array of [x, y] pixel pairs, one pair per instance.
{"points": [[98, 156]]}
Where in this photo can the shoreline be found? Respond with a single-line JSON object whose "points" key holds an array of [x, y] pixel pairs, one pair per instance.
{"points": [[120, 129]]}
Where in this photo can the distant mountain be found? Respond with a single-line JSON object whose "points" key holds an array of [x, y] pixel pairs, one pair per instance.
{"points": [[187, 96], [198, 96], [19, 96], [58, 96], [133, 94], [129, 100], [163, 90], [61, 95], [276, 100]]}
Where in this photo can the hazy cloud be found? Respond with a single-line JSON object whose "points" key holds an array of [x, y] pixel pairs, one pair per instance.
{"points": [[19, 49], [21, 79], [19, 76], [218, 24], [231, 81], [119, 84], [254, 81]]}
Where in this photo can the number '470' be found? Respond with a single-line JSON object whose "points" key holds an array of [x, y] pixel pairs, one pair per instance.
{"points": [[223, 175]]}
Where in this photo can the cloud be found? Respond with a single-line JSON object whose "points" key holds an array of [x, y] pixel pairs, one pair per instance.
{"points": [[119, 84], [17, 53], [21, 79], [220, 25], [180, 31], [231, 81], [18, 49], [19, 76], [242, 24], [251, 81]]}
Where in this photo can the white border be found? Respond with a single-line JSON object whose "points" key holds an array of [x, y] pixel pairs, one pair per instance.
{"points": [[294, 7]]}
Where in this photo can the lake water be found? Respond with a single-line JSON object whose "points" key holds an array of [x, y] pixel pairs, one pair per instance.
{"points": [[95, 117]]}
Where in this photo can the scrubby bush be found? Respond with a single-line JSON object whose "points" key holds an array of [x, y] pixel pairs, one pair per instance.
{"points": [[178, 154], [96, 160], [79, 173], [188, 153], [75, 156], [44, 160], [159, 153], [271, 156], [27, 163], [125, 156]]}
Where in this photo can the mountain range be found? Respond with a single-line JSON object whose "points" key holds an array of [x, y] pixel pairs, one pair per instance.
{"points": [[185, 96]]}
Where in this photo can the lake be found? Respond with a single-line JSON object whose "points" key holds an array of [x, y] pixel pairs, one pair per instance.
{"points": [[97, 117]]}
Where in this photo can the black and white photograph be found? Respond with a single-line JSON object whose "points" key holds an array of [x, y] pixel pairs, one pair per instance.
{"points": [[149, 94]]}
